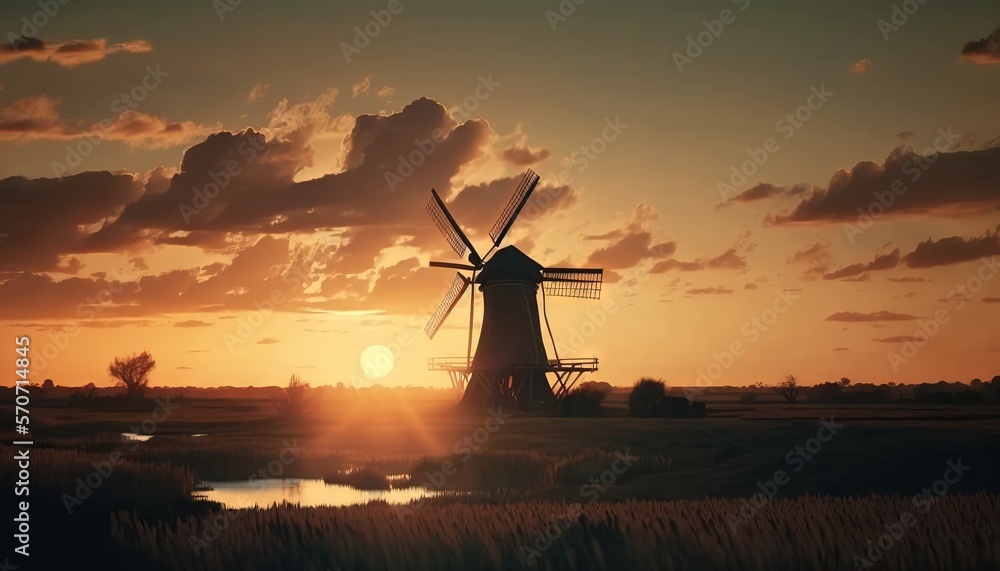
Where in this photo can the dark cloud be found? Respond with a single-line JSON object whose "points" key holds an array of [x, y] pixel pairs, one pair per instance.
{"points": [[885, 261], [841, 349], [37, 117], [765, 190], [67, 54], [955, 183], [732, 259], [985, 51], [991, 300], [878, 316], [908, 279], [524, 156], [257, 214], [953, 250]]}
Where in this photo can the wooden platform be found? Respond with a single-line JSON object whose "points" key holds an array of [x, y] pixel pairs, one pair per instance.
{"points": [[567, 371]]}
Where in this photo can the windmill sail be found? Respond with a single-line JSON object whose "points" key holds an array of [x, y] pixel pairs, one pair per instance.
{"points": [[451, 298], [581, 283], [514, 206], [450, 229]]}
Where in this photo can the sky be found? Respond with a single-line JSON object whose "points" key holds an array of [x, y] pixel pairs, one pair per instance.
{"points": [[771, 187]]}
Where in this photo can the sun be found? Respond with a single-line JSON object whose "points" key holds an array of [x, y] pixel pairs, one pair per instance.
{"points": [[377, 361]]}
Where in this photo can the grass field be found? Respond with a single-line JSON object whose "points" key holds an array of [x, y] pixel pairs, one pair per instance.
{"points": [[619, 492]]}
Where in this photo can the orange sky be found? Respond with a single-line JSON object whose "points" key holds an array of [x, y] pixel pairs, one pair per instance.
{"points": [[246, 212]]}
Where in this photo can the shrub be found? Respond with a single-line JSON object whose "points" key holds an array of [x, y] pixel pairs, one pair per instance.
{"points": [[582, 402], [644, 395]]}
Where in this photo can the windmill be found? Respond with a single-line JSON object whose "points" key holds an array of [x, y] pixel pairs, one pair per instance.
{"points": [[510, 359]]}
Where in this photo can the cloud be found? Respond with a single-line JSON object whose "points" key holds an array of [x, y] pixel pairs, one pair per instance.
{"points": [[907, 279], [900, 339], [363, 87], [953, 250], [709, 291], [265, 222], [985, 51], [763, 191], [198, 351], [268, 341], [883, 261], [192, 323], [991, 300], [955, 184], [258, 91], [817, 257], [861, 67], [385, 91], [750, 286], [630, 244], [37, 118], [732, 259], [878, 316], [905, 135], [67, 54], [841, 349], [514, 149]]}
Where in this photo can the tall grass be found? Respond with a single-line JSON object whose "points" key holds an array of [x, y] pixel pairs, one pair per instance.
{"points": [[961, 532]]}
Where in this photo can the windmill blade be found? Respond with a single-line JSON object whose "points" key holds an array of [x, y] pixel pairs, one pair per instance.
{"points": [[514, 206], [451, 298], [583, 283], [450, 229], [452, 265]]}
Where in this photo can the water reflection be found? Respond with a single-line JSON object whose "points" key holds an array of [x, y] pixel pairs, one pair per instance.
{"points": [[308, 493], [128, 436]]}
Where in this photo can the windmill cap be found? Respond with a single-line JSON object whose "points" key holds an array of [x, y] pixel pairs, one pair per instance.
{"points": [[508, 263]]}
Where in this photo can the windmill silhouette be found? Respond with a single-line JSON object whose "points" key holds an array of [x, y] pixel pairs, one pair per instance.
{"points": [[510, 359]]}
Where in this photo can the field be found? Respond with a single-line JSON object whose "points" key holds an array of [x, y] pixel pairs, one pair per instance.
{"points": [[763, 485]]}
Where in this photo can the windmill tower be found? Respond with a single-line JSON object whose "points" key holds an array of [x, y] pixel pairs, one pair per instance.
{"points": [[510, 359]]}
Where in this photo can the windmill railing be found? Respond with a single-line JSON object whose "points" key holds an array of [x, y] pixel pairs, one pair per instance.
{"points": [[582, 364]]}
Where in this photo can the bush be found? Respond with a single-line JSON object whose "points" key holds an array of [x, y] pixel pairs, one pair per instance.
{"points": [[644, 395], [582, 402]]}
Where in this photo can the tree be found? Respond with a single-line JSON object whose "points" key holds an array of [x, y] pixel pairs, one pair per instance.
{"points": [[132, 372], [47, 384], [845, 382], [296, 393], [644, 395], [789, 388]]}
